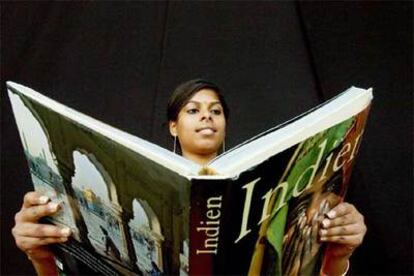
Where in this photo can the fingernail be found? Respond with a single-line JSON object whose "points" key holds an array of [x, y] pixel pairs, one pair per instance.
{"points": [[43, 199], [331, 214], [64, 239], [327, 207], [323, 232], [321, 206], [303, 222], [300, 220], [65, 231], [323, 238], [315, 217], [325, 223], [53, 206]]}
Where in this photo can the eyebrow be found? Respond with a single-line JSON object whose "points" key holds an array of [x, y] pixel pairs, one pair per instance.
{"points": [[210, 104]]}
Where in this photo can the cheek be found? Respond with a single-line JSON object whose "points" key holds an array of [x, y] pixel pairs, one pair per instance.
{"points": [[185, 130], [222, 125], [185, 125]]}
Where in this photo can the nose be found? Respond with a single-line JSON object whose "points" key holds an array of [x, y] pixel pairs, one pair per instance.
{"points": [[206, 115]]}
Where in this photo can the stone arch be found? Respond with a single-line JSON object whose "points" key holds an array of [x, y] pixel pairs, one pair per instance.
{"points": [[153, 219], [112, 193], [79, 228], [44, 170], [145, 227], [99, 206], [37, 118]]}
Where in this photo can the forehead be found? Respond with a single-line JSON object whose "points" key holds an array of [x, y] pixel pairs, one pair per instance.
{"points": [[205, 96]]}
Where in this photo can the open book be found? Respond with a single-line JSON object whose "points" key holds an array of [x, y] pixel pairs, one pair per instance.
{"points": [[135, 207]]}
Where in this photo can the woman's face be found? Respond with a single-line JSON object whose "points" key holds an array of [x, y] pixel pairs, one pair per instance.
{"points": [[201, 125]]}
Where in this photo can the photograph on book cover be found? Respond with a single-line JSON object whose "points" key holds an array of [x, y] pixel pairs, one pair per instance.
{"points": [[269, 216], [120, 219], [316, 179]]}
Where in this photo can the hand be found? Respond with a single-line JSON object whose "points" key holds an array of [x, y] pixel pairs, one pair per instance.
{"points": [[344, 228], [33, 237], [293, 249], [312, 246], [302, 258]]}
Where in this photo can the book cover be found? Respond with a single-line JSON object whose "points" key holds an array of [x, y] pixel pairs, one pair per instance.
{"points": [[266, 219], [135, 208]]}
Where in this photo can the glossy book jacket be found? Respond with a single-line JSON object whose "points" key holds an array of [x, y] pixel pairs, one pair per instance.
{"points": [[136, 208]]}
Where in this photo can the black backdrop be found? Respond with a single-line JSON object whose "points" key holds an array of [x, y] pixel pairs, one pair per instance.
{"points": [[119, 61]]}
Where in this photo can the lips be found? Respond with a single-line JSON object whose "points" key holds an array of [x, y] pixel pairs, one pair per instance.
{"points": [[206, 130]]}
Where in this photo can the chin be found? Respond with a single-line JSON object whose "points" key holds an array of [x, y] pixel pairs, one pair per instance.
{"points": [[208, 149]]}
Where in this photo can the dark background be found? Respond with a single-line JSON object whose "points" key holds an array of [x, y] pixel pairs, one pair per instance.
{"points": [[119, 61]]}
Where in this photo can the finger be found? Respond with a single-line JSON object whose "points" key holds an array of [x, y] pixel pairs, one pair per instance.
{"points": [[37, 230], [322, 206], [326, 208], [310, 251], [344, 230], [340, 210], [293, 260], [30, 243], [314, 239], [339, 221], [34, 213], [292, 251], [308, 240], [290, 246], [350, 240], [34, 198], [299, 252], [297, 227], [314, 228], [294, 227], [302, 222], [295, 265]]}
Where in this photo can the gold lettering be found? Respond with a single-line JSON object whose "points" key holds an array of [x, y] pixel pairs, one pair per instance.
{"points": [[345, 149], [212, 204], [356, 147], [313, 167], [246, 210], [210, 214], [280, 201]]}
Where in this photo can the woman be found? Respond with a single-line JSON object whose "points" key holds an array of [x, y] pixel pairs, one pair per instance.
{"points": [[197, 115]]}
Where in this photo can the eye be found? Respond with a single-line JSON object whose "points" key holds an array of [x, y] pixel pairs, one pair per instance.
{"points": [[216, 111], [192, 111]]}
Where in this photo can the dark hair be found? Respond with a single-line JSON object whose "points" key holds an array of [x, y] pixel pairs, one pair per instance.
{"points": [[183, 93]]}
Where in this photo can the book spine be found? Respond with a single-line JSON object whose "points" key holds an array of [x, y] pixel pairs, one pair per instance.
{"points": [[207, 198]]}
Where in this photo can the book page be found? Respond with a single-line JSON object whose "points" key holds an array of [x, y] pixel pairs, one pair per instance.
{"points": [[123, 208], [250, 154], [164, 157]]}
